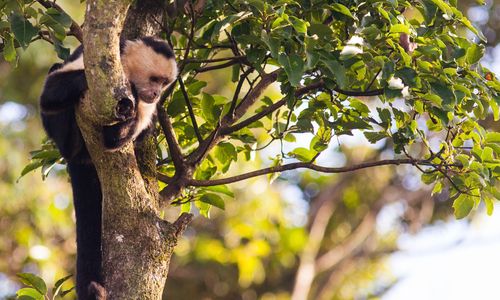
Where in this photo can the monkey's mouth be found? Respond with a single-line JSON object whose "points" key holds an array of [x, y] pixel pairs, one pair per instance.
{"points": [[149, 97]]}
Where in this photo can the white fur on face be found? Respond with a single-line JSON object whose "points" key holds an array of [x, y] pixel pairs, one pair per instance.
{"points": [[140, 63]]}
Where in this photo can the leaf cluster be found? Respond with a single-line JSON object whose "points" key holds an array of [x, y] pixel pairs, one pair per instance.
{"points": [[330, 60]]}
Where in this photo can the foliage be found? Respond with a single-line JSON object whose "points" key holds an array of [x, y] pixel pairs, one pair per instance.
{"points": [[37, 288], [36, 224], [328, 58], [23, 22]]}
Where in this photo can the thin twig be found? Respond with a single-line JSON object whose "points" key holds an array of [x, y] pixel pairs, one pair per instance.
{"points": [[190, 42], [190, 110], [219, 66], [207, 61], [373, 80], [237, 91]]}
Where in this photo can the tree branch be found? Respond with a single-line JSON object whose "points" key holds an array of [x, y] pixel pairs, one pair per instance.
{"points": [[266, 111], [197, 61], [75, 29], [205, 146], [173, 145], [303, 165], [219, 66], [251, 98]]}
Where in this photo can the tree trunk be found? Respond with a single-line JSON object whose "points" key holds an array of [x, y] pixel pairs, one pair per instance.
{"points": [[137, 243]]}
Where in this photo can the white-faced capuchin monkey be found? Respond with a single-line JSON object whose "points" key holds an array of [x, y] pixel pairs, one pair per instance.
{"points": [[150, 67]]}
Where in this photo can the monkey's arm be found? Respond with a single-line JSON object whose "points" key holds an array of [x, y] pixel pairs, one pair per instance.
{"points": [[62, 90]]}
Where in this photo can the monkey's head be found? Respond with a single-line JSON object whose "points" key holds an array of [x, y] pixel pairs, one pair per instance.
{"points": [[150, 66]]}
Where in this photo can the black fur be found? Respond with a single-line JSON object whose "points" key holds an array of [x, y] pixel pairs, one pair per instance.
{"points": [[62, 91], [87, 198], [60, 94], [159, 47], [116, 136]]}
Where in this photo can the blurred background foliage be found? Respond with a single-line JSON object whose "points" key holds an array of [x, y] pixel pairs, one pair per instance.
{"points": [[331, 234]]}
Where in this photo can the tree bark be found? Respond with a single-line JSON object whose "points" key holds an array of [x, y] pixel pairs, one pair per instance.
{"points": [[137, 243]]}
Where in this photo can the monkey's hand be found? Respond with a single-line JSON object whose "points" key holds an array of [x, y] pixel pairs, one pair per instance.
{"points": [[125, 109]]}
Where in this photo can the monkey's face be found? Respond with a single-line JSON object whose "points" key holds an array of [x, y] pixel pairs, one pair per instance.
{"points": [[149, 89], [149, 72]]}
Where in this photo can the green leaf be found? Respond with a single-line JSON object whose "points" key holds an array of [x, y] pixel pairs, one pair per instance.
{"points": [[289, 137], [433, 98], [208, 109], [487, 155], [463, 206], [204, 208], [374, 137], [65, 292], [58, 285], [23, 30], [33, 281], [25, 297], [272, 43], [438, 187], [62, 52], [294, 67], [225, 152], [488, 202], [400, 28], [229, 20], [429, 178], [177, 106], [9, 51], [443, 6], [61, 17], [469, 25], [213, 199], [359, 106], [342, 9], [185, 207], [223, 189], [302, 154], [299, 25], [474, 53], [29, 292], [30, 167], [195, 88], [445, 92], [46, 154], [493, 137]]}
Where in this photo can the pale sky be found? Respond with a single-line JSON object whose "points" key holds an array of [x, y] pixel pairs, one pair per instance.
{"points": [[452, 260]]}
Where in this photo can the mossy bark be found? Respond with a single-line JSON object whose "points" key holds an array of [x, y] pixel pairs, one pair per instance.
{"points": [[137, 243]]}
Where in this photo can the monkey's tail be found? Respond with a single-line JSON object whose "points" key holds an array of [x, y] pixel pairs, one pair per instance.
{"points": [[87, 197]]}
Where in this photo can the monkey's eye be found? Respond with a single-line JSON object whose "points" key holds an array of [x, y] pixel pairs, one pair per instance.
{"points": [[154, 79]]}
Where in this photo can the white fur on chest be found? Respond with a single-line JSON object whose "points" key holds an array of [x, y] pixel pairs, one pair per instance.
{"points": [[145, 111], [77, 64]]}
